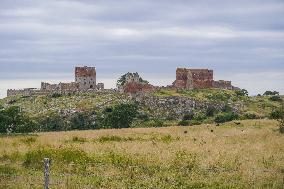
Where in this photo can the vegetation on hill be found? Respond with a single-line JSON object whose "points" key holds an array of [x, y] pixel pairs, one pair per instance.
{"points": [[116, 110]]}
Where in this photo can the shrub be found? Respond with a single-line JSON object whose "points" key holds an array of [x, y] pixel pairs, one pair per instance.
{"points": [[199, 117], [242, 92], [14, 120], [79, 139], [195, 122], [52, 122], [56, 95], [121, 117], [275, 98], [222, 118], [188, 116], [143, 116], [227, 108], [117, 139], [271, 93], [158, 123], [167, 138], [250, 115], [276, 114], [211, 111], [81, 121], [184, 123]]}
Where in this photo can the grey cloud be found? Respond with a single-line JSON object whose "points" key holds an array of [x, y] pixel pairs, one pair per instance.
{"points": [[48, 38]]}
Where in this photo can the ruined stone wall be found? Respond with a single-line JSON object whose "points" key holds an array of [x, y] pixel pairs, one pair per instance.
{"points": [[193, 78], [201, 78], [25, 92], [221, 84], [68, 86], [85, 77], [134, 87]]}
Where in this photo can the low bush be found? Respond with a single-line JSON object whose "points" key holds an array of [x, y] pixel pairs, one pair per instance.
{"points": [[113, 139], [195, 122], [225, 117], [184, 123], [188, 116], [79, 139], [275, 98], [242, 92], [227, 108], [189, 122], [211, 111], [199, 117], [56, 95], [276, 114], [250, 115]]}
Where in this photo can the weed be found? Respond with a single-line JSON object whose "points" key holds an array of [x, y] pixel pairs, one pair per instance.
{"points": [[60, 157], [114, 138], [7, 171], [167, 138], [29, 140], [79, 139]]}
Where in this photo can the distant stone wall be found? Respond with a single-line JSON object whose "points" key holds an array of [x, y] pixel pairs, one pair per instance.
{"points": [[26, 92], [193, 78], [221, 84], [60, 87]]}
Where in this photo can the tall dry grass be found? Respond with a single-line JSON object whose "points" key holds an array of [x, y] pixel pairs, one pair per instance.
{"points": [[245, 155]]}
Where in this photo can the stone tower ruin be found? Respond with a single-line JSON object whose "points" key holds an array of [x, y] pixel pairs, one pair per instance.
{"points": [[85, 77], [193, 78]]}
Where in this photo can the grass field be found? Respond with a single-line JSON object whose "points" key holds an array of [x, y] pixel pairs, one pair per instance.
{"points": [[249, 154]]}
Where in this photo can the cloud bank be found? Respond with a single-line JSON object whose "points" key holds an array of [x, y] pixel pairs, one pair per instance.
{"points": [[242, 41]]}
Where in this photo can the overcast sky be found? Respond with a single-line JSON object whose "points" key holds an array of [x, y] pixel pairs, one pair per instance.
{"points": [[43, 40]]}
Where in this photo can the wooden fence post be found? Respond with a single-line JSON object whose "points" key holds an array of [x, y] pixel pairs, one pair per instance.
{"points": [[46, 173]]}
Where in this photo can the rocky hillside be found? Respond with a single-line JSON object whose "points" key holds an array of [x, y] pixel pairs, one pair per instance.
{"points": [[154, 109]]}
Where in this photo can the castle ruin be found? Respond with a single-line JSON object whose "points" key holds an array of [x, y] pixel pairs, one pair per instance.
{"points": [[85, 80], [135, 84], [199, 79]]}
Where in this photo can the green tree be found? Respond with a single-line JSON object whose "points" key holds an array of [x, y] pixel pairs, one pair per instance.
{"points": [[13, 120], [121, 81], [271, 93], [242, 92], [53, 122], [121, 116], [82, 121]]}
